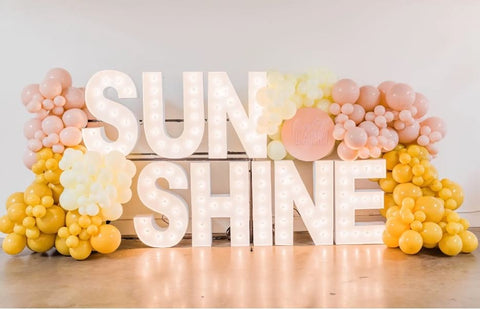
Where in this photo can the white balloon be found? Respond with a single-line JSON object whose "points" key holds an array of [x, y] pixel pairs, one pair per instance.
{"points": [[92, 209], [124, 196], [68, 200], [112, 213]]}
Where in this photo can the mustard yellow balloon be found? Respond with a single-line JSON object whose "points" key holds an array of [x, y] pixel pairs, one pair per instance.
{"points": [[53, 219], [431, 233], [16, 212], [389, 240], [42, 243], [387, 203], [387, 184], [429, 246], [404, 190], [14, 243], [410, 242], [402, 173], [82, 251], [19, 229], [61, 246], [38, 189], [469, 241], [392, 212], [84, 221], [107, 240], [6, 225], [431, 206], [395, 226], [391, 159], [32, 232], [450, 244], [72, 217], [57, 190], [16, 197]]}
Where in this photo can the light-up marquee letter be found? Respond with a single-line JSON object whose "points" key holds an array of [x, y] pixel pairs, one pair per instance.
{"points": [[289, 189], [347, 200], [154, 116], [223, 101], [262, 203], [234, 206], [111, 112], [161, 201]]}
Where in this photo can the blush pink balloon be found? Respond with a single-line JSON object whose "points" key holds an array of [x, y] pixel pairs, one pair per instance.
{"points": [[409, 133], [60, 75], [400, 96], [52, 124], [308, 136], [384, 87], [31, 127], [75, 98], [28, 93], [358, 114], [369, 97], [34, 106], [432, 149], [370, 128], [75, 118], [34, 145], [50, 88], [421, 104], [87, 112], [71, 136], [58, 110], [436, 124], [29, 158], [355, 138], [345, 91], [41, 114], [345, 153], [58, 148]]}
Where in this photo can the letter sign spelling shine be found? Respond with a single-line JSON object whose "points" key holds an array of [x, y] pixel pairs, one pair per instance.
{"points": [[289, 190]]}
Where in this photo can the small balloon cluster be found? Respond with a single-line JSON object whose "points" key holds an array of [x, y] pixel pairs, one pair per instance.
{"points": [[284, 95], [372, 120], [60, 114], [420, 208]]}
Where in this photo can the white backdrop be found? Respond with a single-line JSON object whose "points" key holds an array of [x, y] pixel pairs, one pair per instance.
{"points": [[432, 45]]}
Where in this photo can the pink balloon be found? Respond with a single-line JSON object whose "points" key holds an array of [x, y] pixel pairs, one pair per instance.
{"points": [[53, 138], [423, 140], [52, 124], [347, 108], [75, 118], [364, 153], [436, 124], [308, 136], [349, 124], [409, 133], [75, 98], [432, 149], [41, 114], [71, 136], [369, 97], [48, 104], [334, 109], [59, 100], [345, 91], [355, 138], [400, 96], [358, 113], [50, 88], [60, 75], [345, 153], [34, 106], [39, 134], [370, 128], [29, 158], [421, 104], [34, 144], [28, 92], [58, 110], [58, 148], [384, 88], [30, 127]]}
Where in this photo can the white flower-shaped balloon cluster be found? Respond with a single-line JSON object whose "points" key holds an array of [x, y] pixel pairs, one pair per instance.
{"points": [[96, 183]]}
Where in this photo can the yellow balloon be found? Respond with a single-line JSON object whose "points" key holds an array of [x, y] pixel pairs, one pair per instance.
{"points": [[72, 217], [6, 225], [72, 241], [402, 173], [32, 233], [63, 232], [389, 240], [42, 243], [391, 159], [82, 251], [392, 212], [45, 154], [450, 244], [16, 212], [107, 240], [14, 243], [28, 222], [404, 190], [53, 220], [51, 164], [16, 197], [38, 189], [57, 190], [410, 242], [92, 229], [47, 201], [431, 206], [387, 184], [395, 226], [74, 228], [84, 221], [469, 241], [39, 211], [52, 177], [19, 229], [387, 203], [61, 246], [431, 233]]}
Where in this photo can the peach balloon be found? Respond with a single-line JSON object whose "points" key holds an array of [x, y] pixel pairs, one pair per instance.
{"points": [[384, 87], [355, 138], [75, 98], [435, 124], [358, 114], [52, 124], [421, 104], [409, 134], [60, 75], [345, 91], [369, 97], [71, 136], [75, 118], [308, 136], [31, 127], [370, 128], [400, 96], [28, 93], [58, 148], [346, 153], [50, 88], [29, 158]]}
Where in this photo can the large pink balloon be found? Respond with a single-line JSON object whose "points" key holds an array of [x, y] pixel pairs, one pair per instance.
{"points": [[345, 91], [52, 124], [400, 97], [369, 97], [421, 104], [358, 114], [71, 136], [409, 133], [355, 138], [75, 98], [29, 158], [28, 93], [60, 75], [436, 124], [308, 136], [345, 153], [75, 118], [50, 88], [31, 127], [384, 87]]}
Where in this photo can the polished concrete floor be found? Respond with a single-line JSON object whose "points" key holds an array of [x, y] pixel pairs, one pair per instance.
{"points": [[298, 276]]}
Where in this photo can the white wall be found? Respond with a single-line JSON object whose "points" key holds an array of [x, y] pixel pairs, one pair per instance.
{"points": [[432, 45]]}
